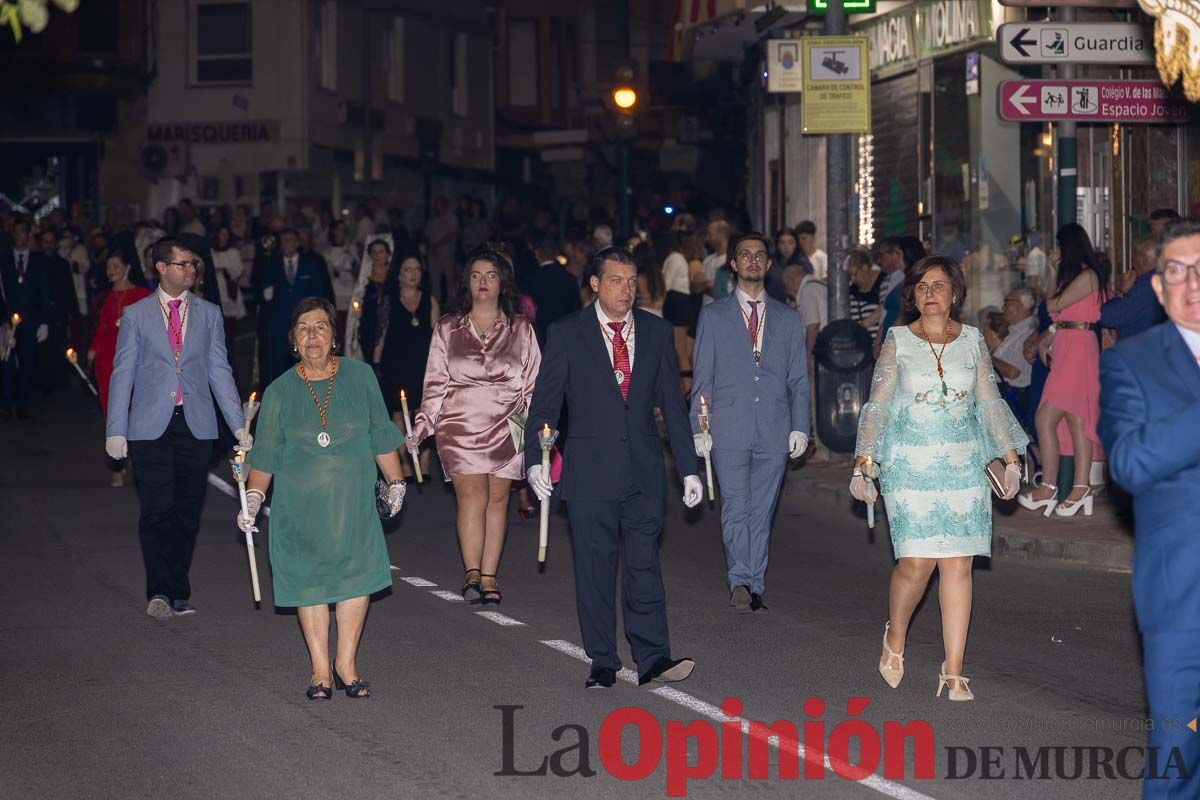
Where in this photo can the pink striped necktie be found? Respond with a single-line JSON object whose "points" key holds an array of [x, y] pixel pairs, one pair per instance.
{"points": [[175, 336]]}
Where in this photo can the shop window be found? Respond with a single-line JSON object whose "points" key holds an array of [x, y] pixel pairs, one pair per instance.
{"points": [[98, 26], [222, 42], [395, 50], [522, 63]]}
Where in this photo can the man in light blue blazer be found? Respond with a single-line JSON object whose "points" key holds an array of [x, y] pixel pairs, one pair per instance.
{"points": [[751, 369], [1150, 427], [169, 365]]}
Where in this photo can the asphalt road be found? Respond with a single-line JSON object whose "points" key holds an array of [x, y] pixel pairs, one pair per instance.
{"points": [[100, 701]]}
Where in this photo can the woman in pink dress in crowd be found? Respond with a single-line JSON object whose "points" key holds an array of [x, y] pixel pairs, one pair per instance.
{"points": [[483, 363], [1070, 407]]}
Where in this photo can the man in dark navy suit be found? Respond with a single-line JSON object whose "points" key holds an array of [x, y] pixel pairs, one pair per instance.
{"points": [[1150, 427], [553, 290], [613, 364], [290, 277], [25, 289]]}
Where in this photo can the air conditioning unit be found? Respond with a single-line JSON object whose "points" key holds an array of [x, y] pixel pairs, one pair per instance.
{"points": [[165, 160]]}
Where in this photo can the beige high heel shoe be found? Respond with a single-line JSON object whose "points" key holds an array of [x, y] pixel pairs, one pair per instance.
{"points": [[1068, 508], [962, 695], [892, 675]]}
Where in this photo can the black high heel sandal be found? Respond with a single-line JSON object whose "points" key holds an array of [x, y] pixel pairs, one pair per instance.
{"points": [[318, 691], [472, 591], [357, 688], [490, 597]]}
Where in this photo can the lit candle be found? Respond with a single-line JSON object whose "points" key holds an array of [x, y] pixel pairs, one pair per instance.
{"points": [[74, 359], [238, 465], [251, 409], [408, 431], [16, 320], [356, 305]]}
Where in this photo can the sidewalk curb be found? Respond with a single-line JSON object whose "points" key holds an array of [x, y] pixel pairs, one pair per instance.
{"points": [[1007, 542]]}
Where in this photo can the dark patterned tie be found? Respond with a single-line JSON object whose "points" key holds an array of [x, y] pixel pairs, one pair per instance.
{"points": [[621, 358], [752, 327]]}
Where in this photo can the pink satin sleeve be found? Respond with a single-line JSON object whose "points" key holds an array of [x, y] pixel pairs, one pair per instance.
{"points": [[437, 378]]}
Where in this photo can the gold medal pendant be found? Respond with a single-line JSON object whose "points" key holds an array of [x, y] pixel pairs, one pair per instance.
{"points": [[416, 323], [323, 439], [620, 376]]}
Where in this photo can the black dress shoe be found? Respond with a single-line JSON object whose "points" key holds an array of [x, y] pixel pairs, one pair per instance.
{"points": [[601, 678], [739, 598], [667, 671], [756, 603]]}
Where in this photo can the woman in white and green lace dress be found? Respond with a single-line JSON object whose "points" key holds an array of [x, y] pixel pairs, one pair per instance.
{"points": [[934, 421]]}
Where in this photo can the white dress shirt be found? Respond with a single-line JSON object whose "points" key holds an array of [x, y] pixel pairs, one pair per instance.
{"points": [[744, 301], [675, 273], [1012, 351], [625, 333], [164, 298], [1193, 341]]}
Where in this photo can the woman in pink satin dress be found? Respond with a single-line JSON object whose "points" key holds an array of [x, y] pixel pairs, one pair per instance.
{"points": [[483, 363], [1070, 407]]}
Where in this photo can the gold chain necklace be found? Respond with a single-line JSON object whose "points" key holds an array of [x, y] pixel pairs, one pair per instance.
{"points": [[322, 437], [937, 355]]}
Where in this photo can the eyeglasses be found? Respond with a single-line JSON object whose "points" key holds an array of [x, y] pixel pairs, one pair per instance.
{"points": [[937, 287], [185, 264], [750, 256], [1176, 272]]}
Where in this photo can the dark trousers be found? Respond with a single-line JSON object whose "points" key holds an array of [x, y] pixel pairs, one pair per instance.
{"points": [[17, 383], [172, 475], [601, 532]]}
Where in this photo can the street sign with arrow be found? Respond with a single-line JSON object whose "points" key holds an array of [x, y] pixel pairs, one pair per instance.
{"points": [[1076, 43], [1128, 102]]}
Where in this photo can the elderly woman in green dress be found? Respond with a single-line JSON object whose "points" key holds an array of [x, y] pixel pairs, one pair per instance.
{"points": [[934, 421], [322, 431]]}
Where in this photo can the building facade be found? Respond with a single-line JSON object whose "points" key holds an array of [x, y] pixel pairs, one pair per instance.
{"points": [[319, 102]]}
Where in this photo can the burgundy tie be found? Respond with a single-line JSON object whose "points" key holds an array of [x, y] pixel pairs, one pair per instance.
{"points": [[752, 328], [621, 358]]}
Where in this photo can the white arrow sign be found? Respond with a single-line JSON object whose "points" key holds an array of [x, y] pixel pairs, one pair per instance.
{"points": [[1076, 43], [1021, 99]]}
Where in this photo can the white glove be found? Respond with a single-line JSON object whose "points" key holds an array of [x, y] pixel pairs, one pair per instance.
{"points": [[269, 294], [245, 440], [412, 443], [539, 481], [1012, 481], [703, 444], [43, 333], [863, 489], [254, 501], [117, 447], [693, 491], [797, 444]]}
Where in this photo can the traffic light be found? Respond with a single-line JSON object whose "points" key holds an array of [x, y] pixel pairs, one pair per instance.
{"points": [[624, 101]]}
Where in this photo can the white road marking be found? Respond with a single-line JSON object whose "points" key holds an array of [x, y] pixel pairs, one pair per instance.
{"points": [[451, 596], [499, 619], [879, 784], [231, 490], [420, 583]]}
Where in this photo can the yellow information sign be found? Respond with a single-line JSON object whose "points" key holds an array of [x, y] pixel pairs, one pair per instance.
{"points": [[837, 85]]}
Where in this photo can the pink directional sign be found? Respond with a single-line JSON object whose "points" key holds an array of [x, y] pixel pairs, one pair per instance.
{"points": [[1144, 102]]}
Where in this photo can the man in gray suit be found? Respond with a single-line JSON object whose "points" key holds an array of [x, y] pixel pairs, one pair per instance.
{"points": [[170, 362], [750, 366]]}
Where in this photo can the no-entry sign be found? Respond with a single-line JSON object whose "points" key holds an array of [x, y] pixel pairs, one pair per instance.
{"points": [[1136, 102]]}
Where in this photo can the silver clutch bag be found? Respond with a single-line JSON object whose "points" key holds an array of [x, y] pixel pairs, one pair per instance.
{"points": [[995, 476]]}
